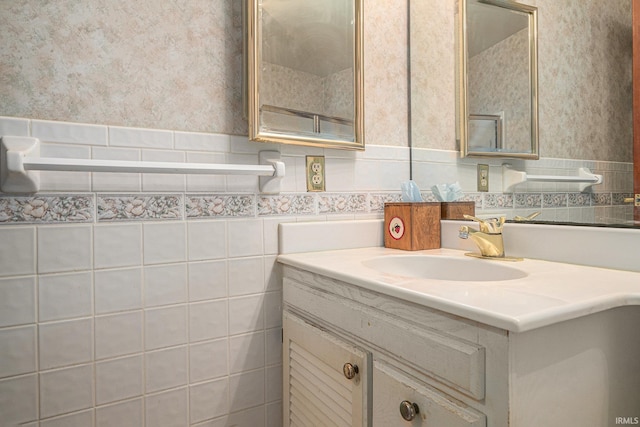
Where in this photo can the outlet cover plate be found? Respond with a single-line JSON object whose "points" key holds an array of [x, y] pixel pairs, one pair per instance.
{"points": [[315, 173], [483, 178]]}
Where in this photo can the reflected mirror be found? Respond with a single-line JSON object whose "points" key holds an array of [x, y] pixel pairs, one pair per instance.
{"points": [[305, 72], [497, 111]]}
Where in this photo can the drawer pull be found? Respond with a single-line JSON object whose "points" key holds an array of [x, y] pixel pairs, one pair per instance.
{"points": [[350, 370], [408, 410]]}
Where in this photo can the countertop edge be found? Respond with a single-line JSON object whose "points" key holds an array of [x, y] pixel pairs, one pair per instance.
{"points": [[514, 324]]}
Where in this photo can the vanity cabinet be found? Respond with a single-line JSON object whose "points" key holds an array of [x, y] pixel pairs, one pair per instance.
{"points": [[442, 370], [415, 366]]}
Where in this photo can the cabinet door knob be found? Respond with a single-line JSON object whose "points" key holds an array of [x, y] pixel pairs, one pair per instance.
{"points": [[408, 410], [350, 370]]}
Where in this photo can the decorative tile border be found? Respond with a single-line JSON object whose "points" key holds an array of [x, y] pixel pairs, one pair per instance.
{"points": [[287, 204], [220, 205], [74, 208], [141, 207], [554, 200], [579, 199], [498, 200], [46, 209], [618, 198], [342, 203], [528, 200], [473, 197], [377, 201], [601, 199]]}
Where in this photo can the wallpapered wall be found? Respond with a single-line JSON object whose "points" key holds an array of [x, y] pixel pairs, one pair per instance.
{"points": [[174, 66], [584, 57]]}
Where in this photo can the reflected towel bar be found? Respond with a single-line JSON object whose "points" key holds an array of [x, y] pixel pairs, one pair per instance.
{"points": [[21, 162], [512, 177]]}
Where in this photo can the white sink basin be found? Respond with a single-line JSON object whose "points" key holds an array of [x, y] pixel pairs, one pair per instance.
{"points": [[444, 268]]}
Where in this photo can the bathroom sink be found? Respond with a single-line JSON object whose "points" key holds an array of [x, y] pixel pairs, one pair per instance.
{"points": [[444, 268]]}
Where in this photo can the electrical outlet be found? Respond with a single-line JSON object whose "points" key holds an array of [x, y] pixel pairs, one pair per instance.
{"points": [[483, 178], [315, 173]]}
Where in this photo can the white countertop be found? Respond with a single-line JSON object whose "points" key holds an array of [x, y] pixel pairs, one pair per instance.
{"points": [[550, 293]]}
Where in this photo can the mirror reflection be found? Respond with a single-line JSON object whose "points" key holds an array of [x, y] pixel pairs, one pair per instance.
{"points": [[585, 110], [498, 78], [304, 79]]}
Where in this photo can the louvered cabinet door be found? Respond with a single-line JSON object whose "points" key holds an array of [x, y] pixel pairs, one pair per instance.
{"points": [[324, 378]]}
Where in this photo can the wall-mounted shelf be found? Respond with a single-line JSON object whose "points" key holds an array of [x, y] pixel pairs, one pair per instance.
{"points": [[512, 177], [20, 163]]}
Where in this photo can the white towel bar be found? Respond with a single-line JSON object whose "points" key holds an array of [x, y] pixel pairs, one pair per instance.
{"points": [[21, 161], [512, 177]]}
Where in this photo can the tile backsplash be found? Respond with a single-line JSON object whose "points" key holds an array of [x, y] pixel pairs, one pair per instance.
{"points": [[130, 299]]}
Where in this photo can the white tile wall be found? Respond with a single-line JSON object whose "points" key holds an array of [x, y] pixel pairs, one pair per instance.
{"points": [[122, 414], [66, 390], [246, 390], [246, 352], [79, 419], [246, 276], [165, 284], [165, 327], [207, 320], [164, 242], [118, 334], [65, 343], [165, 369], [64, 248], [168, 408], [117, 290], [246, 314], [69, 133], [207, 240], [208, 360], [168, 322], [209, 400], [19, 399], [119, 379], [17, 350], [207, 280], [136, 137], [245, 238], [17, 251], [63, 296], [17, 301], [117, 245]]}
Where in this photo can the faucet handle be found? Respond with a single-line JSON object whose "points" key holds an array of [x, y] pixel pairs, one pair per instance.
{"points": [[519, 218], [490, 225]]}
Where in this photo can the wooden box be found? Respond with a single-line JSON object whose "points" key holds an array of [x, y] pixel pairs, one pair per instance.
{"points": [[457, 210], [412, 226]]}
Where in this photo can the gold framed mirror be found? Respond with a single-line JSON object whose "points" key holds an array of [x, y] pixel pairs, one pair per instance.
{"points": [[497, 84], [305, 72]]}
